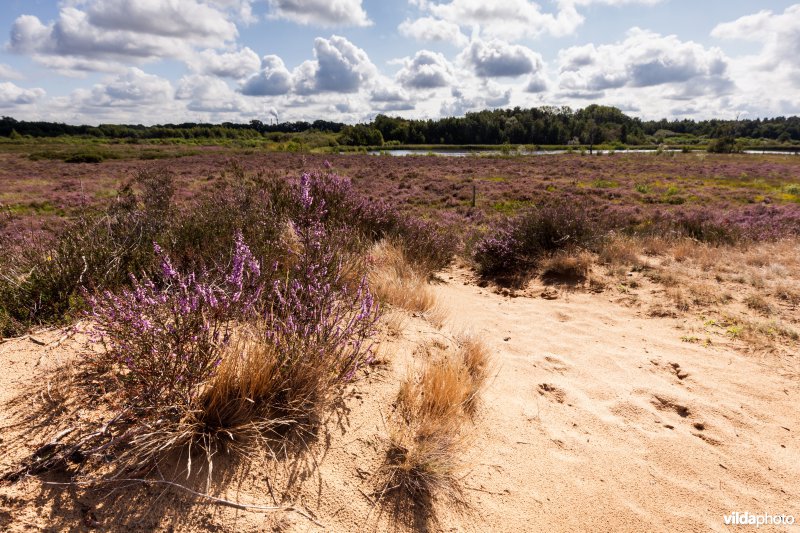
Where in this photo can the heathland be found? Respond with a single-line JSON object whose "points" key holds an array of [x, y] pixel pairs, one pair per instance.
{"points": [[224, 337]]}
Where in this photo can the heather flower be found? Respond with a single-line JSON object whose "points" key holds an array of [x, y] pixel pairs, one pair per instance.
{"points": [[169, 337]]}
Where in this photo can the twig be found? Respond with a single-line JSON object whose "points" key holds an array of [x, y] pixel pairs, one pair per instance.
{"points": [[214, 499], [486, 491], [370, 500], [9, 339]]}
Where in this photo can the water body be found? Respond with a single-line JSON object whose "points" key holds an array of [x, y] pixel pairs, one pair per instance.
{"points": [[462, 153]]}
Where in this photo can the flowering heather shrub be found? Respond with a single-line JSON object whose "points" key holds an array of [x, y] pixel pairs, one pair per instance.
{"points": [[240, 202], [516, 245], [168, 337], [319, 324], [429, 245]]}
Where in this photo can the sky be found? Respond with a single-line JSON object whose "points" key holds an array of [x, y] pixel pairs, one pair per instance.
{"points": [[168, 61]]}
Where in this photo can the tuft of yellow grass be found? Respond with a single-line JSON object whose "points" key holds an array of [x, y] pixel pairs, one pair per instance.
{"points": [[428, 437], [568, 265], [397, 282]]}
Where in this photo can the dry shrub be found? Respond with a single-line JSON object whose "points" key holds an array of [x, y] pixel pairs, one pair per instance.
{"points": [[678, 297], [757, 302], [787, 293], [423, 464], [567, 265], [705, 294], [397, 281], [654, 246], [428, 434], [684, 250], [475, 356], [620, 251]]}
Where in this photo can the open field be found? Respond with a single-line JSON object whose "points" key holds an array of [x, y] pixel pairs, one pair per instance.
{"points": [[566, 342]]}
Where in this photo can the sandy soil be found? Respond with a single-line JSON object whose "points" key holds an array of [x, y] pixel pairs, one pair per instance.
{"points": [[597, 419]]}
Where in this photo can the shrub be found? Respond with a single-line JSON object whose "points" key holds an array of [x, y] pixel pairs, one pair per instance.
{"points": [[320, 323], [427, 245], [517, 245], [98, 250], [169, 337], [223, 355]]}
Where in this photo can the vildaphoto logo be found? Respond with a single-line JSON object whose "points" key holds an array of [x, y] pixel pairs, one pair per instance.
{"points": [[751, 519]]}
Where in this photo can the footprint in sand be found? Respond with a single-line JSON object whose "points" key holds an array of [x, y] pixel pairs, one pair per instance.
{"points": [[554, 364], [682, 374], [665, 403], [552, 392]]}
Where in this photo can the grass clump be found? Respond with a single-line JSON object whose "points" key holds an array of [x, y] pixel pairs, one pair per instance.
{"points": [[428, 434], [396, 281]]}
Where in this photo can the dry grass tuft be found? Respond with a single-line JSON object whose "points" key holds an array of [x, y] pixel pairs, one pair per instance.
{"points": [[476, 358], [395, 281], [568, 266], [428, 434]]}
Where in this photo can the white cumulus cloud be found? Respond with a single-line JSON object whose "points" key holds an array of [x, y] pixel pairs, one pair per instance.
{"points": [[238, 64], [496, 58], [12, 95], [430, 29], [325, 13], [644, 59], [426, 70], [100, 34], [340, 66], [273, 79]]}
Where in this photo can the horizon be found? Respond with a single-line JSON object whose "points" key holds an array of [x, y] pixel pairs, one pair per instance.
{"points": [[93, 62]]}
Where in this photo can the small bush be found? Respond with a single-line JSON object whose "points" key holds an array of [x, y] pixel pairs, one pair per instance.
{"points": [[169, 337], [518, 245]]}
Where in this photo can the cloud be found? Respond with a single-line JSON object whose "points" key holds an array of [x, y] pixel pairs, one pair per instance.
{"points": [[340, 66], [498, 58], [8, 73], [614, 3], [242, 9], [387, 98], [779, 33], [510, 19], [184, 19], [426, 70], [643, 59], [12, 95], [433, 30], [133, 88], [236, 65], [536, 84], [208, 94], [487, 96], [325, 13], [103, 34], [273, 79]]}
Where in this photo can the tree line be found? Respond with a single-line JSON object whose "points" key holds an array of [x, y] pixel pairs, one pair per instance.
{"points": [[545, 125]]}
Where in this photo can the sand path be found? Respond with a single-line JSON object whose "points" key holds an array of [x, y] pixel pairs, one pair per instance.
{"points": [[601, 420]]}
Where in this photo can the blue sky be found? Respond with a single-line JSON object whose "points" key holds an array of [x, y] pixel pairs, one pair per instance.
{"points": [[157, 61]]}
